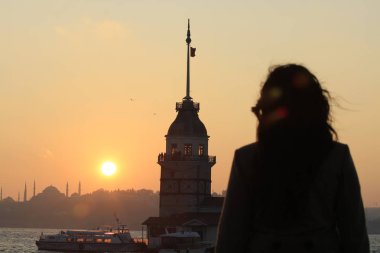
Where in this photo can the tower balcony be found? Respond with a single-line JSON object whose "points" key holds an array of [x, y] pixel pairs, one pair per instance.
{"points": [[176, 157], [188, 105]]}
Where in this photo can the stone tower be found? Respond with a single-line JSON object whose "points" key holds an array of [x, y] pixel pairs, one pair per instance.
{"points": [[185, 165]]}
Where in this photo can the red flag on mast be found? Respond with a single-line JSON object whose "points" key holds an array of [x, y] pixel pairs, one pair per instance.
{"points": [[192, 51]]}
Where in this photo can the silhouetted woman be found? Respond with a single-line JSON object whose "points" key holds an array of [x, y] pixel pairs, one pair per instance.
{"points": [[295, 189]]}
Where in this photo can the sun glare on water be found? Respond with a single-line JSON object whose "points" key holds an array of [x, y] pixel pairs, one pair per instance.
{"points": [[108, 168]]}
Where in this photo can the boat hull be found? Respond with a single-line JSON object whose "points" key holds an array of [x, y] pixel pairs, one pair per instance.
{"points": [[91, 247]]}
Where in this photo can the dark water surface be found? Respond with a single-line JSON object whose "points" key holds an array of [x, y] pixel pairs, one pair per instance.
{"points": [[15, 240]]}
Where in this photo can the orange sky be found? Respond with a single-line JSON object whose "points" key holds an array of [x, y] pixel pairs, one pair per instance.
{"points": [[82, 82]]}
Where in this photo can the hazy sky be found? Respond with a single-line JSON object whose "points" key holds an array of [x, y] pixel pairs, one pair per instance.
{"points": [[82, 82]]}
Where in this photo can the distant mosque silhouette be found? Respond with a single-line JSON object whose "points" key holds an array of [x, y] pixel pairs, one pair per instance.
{"points": [[75, 194], [25, 199], [186, 203]]}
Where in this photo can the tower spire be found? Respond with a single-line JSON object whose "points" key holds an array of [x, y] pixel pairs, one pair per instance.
{"points": [[25, 193], [34, 188], [188, 41]]}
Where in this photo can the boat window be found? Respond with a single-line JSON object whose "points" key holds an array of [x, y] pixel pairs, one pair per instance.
{"points": [[89, 240], [80, 239], [69, 239], [107, 240], [99, 240]]}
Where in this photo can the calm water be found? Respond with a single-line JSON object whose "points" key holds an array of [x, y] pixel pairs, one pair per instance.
{"points": [[15, 240]]}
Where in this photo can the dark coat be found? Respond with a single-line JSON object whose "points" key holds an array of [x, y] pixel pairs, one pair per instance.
{"points": [[334, 219]]}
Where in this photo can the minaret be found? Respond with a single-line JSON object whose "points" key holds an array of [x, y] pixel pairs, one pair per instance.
{"points": [[79, 189], [18, 197], [1, 193], [34, 188], [67, 189], [185, 166], [25, 193]]}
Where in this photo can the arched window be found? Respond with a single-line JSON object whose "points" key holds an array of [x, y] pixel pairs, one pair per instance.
{"points": [[174, 148], [188, 149], [201, 150]]}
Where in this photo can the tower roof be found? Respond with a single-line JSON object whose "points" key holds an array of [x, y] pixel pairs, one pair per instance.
{"points": [[187, 122]]}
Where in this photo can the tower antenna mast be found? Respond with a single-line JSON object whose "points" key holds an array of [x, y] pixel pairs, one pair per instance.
{"points": [[188, 41]]}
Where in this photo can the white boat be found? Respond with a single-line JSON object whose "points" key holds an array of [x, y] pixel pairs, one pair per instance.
{"points": [[99, 240], [184, 242]]}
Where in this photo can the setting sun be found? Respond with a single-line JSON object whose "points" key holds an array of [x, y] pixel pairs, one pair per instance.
{"points": [[108, 168]]}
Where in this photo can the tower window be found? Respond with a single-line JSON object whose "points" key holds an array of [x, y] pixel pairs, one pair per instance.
{"points": [[188, 149], [174, 148], [201, 150]]}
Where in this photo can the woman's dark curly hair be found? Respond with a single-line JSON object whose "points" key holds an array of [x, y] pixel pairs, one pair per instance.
{"points": [[294, 135], [293, 96]]}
